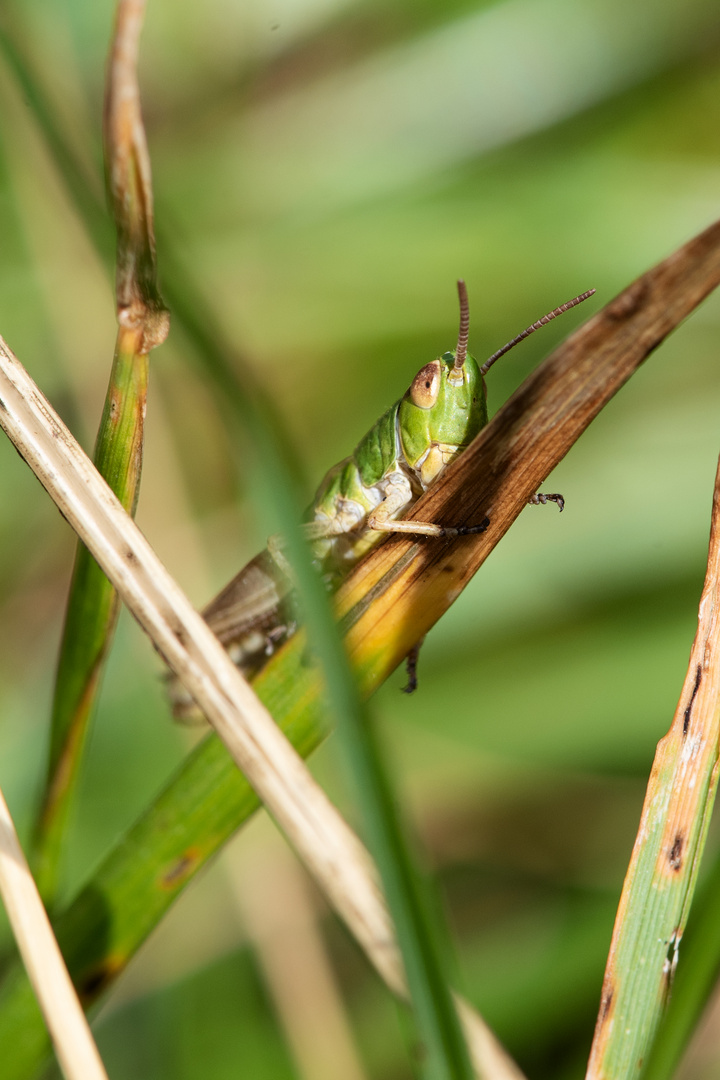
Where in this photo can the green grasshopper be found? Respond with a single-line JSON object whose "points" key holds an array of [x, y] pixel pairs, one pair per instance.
{"points": [[365, 497]]}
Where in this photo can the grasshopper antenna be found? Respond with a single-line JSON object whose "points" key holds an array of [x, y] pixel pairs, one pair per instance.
{"points": [[530, 330], [463, 333]]}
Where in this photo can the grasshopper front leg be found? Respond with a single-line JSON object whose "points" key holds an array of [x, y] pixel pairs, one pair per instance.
{"points": [[398, 494]]}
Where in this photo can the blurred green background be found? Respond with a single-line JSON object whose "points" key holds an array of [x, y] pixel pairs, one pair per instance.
{"points": [[326, 170]]}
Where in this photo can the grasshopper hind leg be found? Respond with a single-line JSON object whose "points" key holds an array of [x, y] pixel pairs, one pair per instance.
{"points": [[411, 666]]}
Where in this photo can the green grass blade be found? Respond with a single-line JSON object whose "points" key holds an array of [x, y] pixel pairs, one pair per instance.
{"points": [[445, 1050], [91, 617], [695, 981], [661, 878]]}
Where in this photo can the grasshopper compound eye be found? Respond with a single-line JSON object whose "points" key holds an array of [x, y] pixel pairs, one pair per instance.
{"points": [[425, 386]]}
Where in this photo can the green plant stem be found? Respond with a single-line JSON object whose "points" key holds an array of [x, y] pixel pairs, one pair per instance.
{"points": [[91, 612]]}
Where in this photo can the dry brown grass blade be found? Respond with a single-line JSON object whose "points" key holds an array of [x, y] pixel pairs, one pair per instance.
{"points": [[661, 877], [402, 588]]}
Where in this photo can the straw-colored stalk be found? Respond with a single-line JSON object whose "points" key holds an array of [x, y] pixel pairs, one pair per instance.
{"points": [[69, 1030]]}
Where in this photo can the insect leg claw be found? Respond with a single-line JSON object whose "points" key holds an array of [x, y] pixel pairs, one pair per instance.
{"points": [[543, 497]]}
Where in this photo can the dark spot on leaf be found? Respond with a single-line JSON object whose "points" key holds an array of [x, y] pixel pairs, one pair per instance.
{"points": [[94, 983], [180, 870], [90, 986], [696, 687], [675, 856]]}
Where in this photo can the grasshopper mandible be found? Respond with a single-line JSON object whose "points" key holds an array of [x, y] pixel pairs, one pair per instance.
{"points": [[365, 497]]}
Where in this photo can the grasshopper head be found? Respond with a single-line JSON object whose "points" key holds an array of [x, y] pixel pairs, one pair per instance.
{"points": [[445, 406]]}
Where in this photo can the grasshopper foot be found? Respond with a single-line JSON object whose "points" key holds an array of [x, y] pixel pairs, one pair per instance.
{"points": [[465, 530], [411, 665], [542, 497]]}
